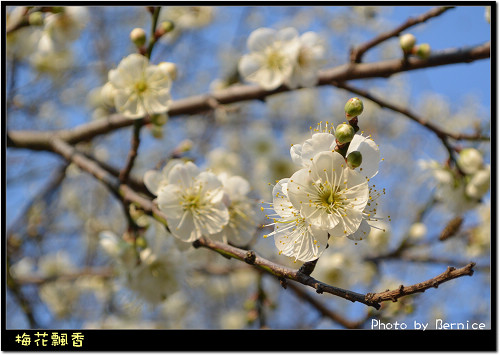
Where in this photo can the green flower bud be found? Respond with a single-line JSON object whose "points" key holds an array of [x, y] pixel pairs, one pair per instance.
{"points": [[159, 119], [354, 159], [157, 131], [470, 160], [353, 107], [57, 9], [138, 36], [423, 50], [407, 41], [166, 26], [344, 133], [35, 19]]}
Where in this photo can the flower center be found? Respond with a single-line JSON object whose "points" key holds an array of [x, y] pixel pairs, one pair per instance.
{"points": [[303, 58], [327, 198], [275, 60], [141, 86]]}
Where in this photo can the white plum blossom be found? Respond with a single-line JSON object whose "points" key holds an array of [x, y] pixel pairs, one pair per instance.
{"points": [[272, 57], [242, 218], [282, 57], [140, 87], [328, 195], [293, 235], [450, 187], [310, 58], [192, 202]]}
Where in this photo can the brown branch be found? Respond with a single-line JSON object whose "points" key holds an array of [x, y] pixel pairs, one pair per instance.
{"points": [[450, 274], [40, 280], [239, 93], [441, 134], [357, 53], [250, 257]]}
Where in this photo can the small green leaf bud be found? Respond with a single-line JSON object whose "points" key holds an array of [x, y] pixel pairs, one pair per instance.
{"points": [[35, 19], [344, 133], [423, 50], [407, 41], [138, 36], [354, 159], [353, 107]]}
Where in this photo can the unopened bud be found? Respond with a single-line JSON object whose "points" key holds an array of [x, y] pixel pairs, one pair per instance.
{"points": [[185, 145], [417, 230], [344, 133], [353, 107], [166, 26], [407, 41], [479, 185], [157, 131], [169, 68], [470, 160], [35, 19], [423, 50], [159, 119], [354, 159], [138, 36]]}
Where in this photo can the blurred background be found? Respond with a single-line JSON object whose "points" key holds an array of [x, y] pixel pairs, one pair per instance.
{"points": [[61, 275]]}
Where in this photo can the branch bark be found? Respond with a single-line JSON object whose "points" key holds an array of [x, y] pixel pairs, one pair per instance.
{"points": [[450, 274]]}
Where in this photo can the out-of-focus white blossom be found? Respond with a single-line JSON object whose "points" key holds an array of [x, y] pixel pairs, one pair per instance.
{"points": [[242, 217], [272, 57], [479, 184], [187, 17], [64, 26], [311, 57]]}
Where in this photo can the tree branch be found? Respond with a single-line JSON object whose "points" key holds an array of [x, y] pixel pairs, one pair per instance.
{"points": [[238, 93]]}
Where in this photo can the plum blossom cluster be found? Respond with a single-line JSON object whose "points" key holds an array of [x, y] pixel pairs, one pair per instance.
{"points": [[330, 194], [147, 266], [460, 188], [200, 203], [278, 57]]}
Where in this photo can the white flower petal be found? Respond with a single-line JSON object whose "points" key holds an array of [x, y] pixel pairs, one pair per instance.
{"points": [[152, 180]]}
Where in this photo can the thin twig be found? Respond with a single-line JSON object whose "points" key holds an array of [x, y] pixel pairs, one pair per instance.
{"points": [[132, 154], [325, 312], [450, 274], [357, 53]]}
